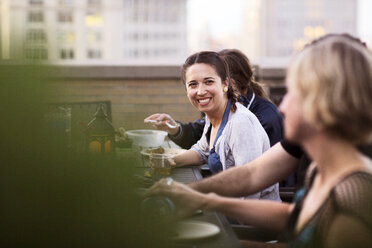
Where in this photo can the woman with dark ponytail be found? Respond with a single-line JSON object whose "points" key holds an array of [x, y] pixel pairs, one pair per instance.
{"points": [[252, 94], [241, 72]]}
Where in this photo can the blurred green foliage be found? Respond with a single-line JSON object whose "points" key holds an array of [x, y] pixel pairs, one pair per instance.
{"points": [[52, 197]]}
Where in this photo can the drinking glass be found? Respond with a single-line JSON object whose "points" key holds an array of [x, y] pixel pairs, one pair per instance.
{"points": [[160, 165]]}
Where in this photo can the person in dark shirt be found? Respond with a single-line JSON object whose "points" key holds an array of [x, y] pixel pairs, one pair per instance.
{"points": [[252, 96]]}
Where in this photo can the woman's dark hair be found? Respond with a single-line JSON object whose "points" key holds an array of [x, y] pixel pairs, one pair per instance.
{"points": [[220, 66], [241, 73]]}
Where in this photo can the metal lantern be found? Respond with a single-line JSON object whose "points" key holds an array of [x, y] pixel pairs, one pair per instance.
{"points": [[101, 133]]}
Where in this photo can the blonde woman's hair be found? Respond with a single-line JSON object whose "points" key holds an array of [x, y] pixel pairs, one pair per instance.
{"points": [[333, 77]]}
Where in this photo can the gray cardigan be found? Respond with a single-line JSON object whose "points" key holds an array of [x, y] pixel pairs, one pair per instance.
{"points": [[242, 140]]}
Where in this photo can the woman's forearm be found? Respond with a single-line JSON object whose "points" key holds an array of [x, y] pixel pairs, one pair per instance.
{"points": [[259, 213], [274, 165], [187, 158]]}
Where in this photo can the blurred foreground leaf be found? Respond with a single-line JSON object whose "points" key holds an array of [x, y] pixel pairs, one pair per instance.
{"points": [[51, 197]]}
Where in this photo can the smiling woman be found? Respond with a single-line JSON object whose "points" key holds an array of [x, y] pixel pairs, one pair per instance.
{"points": [[205, 90], [208, 68], [232, 134]]}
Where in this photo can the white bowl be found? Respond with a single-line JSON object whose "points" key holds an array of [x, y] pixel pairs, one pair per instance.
{"points": [[147, 138]]}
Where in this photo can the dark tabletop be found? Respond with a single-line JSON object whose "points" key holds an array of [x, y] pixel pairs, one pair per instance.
{"points": [[226, 237]]}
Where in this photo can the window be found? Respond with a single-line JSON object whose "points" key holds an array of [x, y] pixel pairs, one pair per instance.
{"points": [[145, 52], [36, 35], [66, 2], [93, 37], [36, 2], [94, 54], [65, 16], [135, 36], [35, 16], [93, 20], [66, 37], [135, 53], [94, 2], [66, 53], [36, 53]]}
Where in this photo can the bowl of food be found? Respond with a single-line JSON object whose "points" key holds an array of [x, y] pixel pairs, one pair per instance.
{"points": [[146, 137]]}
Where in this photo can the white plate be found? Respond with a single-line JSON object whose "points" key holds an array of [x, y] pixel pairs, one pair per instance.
{"points": [[188, 230], [172, 151]]}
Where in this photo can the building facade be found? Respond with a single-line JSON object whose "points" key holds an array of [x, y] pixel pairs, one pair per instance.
{"points": [[272, 30], [287, 25], [76, 31]]}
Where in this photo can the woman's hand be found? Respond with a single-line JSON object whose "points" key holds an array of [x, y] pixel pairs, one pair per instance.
{"points": [[163, 122], [187, 200]]}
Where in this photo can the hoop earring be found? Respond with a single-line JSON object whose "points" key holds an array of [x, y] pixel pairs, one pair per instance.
{"points": [[225, 89]]}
